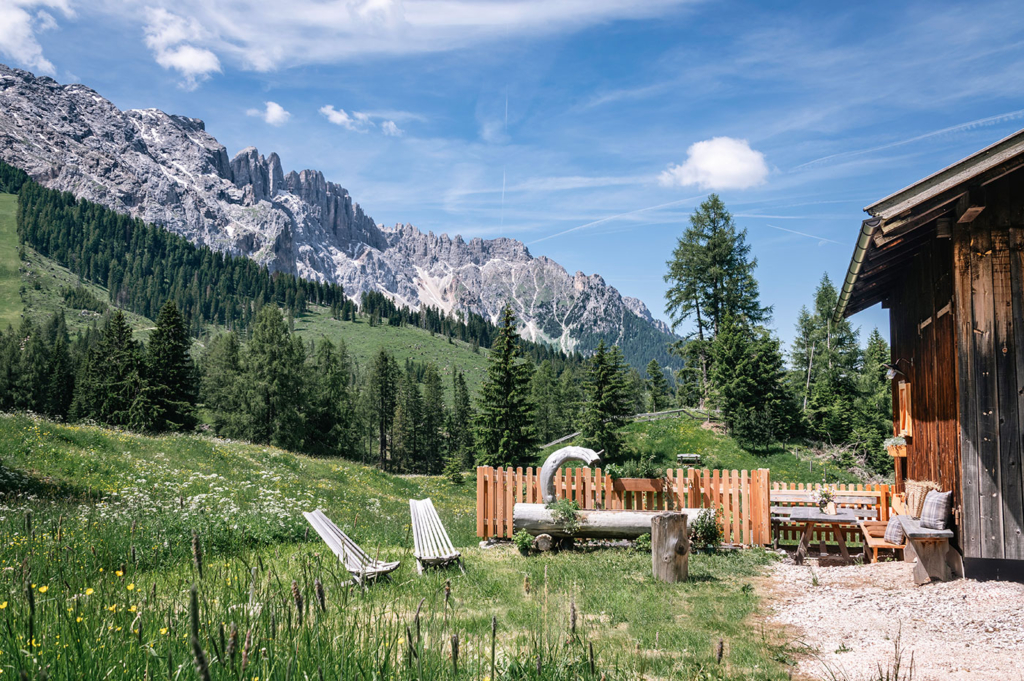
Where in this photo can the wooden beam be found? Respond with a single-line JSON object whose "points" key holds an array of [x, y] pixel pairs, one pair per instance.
{"points": [[969, 205]]}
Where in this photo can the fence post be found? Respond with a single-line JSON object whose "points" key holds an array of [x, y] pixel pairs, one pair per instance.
{"points": [[480, 487]]}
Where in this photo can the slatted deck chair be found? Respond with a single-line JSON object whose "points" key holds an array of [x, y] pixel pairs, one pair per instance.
{"points": [[359, 565], [433, 547]]}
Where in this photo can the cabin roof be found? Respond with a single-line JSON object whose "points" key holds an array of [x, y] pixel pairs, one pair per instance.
{"points": [[901, 223]]}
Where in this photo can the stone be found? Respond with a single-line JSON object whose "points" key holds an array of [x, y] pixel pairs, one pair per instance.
{"points": [[544, 542]]}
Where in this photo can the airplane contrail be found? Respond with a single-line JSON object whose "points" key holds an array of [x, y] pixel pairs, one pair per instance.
{"points": [[615, 217], [809, 236], [998, 118]]}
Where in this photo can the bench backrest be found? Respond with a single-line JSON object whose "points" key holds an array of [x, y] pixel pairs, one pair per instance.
{"points": [[354, 558], [429, 536], [865, 503]]}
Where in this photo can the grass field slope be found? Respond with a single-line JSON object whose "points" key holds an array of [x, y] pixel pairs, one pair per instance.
{"points": [[103, 534], [10, 275]]}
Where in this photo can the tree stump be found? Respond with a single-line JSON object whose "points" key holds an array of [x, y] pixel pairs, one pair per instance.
{"points": [[543, 542], [670, 547]]}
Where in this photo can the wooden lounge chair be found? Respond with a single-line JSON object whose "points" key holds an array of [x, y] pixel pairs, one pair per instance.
{"points": [[874, 538], [355, 560], [433, 547]]}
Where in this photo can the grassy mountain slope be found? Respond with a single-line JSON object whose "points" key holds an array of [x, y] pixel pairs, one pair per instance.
{"points": [[665, 438], [103, 522]]}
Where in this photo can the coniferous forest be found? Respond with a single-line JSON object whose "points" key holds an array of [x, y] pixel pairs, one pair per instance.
{"points": [[258, 381]]}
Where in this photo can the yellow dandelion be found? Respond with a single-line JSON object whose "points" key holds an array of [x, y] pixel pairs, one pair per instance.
{"points": [[78, 619], [43, 589], [132, 609], [131, 587], [163, 631], [119, 573], [88, 592], [113, 608]]}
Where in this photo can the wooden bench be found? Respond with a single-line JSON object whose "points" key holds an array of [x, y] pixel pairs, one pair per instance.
{"points": [[937, 561], [691, 459], [874, 537]]}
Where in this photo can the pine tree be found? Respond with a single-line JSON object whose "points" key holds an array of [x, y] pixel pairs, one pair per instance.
{"points": [[221, 383], [657, 387], [505, 433], [171, 372], [433, 421], [113, 385], [383, 398], [873, 414], [826, 361], [711, 277], [749, 378], [272, 382], [459, 421], [546, 401], [60, 369], [608, 403], [408, 427], [330, 415]]}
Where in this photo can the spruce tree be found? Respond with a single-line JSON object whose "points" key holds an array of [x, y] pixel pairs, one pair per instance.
{"points": [[873, 414], [432, 439], [505, 432], [547, 403], [608, 403], [460, 420], [382, 394], [330, 414], [171, 372], [408, 426], [113, 385], [221, 383], [657, 387], [273, 381]]}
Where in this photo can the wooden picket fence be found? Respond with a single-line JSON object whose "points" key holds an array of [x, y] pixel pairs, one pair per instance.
{"points": [[740, 496]]}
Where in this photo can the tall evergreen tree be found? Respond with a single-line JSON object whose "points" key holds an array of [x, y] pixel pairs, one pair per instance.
{"points": [[383, 398], [113, 387], [505, 432], [544, 393], [408, 428], [657, 387], [460, 420], [221, 383], [171, 372], [873, 415], [273, 381], [826, 361], [711, 278], [608, 403], [330, 415], [433, 421]]}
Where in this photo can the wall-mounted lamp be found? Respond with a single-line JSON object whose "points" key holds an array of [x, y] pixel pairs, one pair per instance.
{"points": [[893, 371]]}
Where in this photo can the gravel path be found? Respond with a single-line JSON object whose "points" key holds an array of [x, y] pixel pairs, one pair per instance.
{"points": [[955, 630]]}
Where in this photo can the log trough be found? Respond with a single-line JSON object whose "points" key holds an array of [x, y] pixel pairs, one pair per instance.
{"points": [[537, 519]]}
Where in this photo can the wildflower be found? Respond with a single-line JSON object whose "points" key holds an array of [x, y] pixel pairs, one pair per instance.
{"points": [[3, 605], [131, 587], [119, 573], [78, 619], [132, 609], [88, 592], [163, 631], [43, 589], [113, 608]]}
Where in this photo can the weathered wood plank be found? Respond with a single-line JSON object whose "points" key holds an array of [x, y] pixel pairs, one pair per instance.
{"points": [[970, 493], [1006, 351]]}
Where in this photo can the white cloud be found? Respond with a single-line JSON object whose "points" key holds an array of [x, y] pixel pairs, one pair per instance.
{"points": [[19, 27], [171, 38], [262, 37], [718, 163], [273, 114], [362, 121]]}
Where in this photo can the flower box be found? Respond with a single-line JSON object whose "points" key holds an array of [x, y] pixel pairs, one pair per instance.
{"points": [[897, 450]]}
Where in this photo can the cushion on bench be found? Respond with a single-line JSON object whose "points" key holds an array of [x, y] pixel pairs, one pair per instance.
{"points": [[935, 511], [894, 531]]}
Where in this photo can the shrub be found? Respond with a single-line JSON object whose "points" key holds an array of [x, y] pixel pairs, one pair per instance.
{"points": [[453, 470], [523, 540], [642, 544], [566, 513], [706, 531], [642, 467]]}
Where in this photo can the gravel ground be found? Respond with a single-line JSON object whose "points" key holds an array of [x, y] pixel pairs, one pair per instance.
{"points": [[849, 622]]}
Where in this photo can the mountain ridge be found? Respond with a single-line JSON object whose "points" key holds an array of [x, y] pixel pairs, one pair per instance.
{"points": [[168, 170]]}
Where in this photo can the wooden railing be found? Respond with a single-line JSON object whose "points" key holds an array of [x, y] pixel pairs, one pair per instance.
{"points": [[740, 497]]}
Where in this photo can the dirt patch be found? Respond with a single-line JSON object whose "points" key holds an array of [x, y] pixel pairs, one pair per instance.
{"points": [[848, 622]]}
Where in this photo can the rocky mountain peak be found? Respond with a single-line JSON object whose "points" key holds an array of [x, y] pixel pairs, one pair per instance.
{"points": [[168, 170]]}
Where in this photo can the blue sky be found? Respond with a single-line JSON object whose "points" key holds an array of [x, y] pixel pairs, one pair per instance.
{"points": [[587, 128]]}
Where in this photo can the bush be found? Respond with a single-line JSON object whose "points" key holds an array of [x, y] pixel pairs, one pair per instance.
{"points": [[523, 540], [453, 470], [566, 512], [642, 544], [706, 531]]}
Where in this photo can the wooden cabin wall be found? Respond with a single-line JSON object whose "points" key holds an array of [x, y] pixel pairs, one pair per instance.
{"points": [[989, 282], [923, 346]]}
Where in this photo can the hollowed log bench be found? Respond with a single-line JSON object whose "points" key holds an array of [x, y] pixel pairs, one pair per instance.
{"points": [[937, 561]]}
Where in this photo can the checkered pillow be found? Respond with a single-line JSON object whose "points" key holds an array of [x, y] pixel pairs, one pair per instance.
{"points": [[936, 510], [894, 531]]}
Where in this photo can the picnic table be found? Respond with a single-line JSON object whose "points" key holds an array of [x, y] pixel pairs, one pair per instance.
{"points": [[811, 517]]}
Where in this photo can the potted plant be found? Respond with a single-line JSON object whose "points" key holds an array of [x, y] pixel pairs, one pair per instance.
{"points": [[896, 446], [638, 476], [826, 499]]}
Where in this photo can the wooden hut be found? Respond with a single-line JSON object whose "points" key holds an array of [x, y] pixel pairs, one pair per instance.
{"points": [[945, 256]]}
